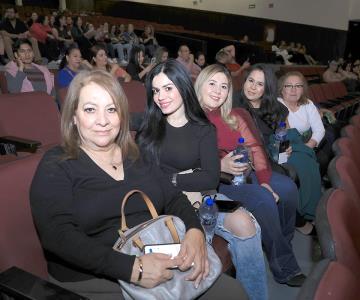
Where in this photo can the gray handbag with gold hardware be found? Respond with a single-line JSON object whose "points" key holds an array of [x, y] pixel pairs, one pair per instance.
{"points": [[162, 229]]}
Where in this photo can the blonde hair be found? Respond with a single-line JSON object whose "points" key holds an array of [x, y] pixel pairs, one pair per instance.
{"points": [[304, 97], [226, 107], [69, 132]]}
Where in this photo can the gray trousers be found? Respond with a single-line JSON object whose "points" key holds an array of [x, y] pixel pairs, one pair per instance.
{"points": [[101, 289]]}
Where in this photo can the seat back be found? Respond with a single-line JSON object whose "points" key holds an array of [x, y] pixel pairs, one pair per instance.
{"points": [[348, 147], [33, 116], [338, 89], [355, 120], [330, 280], [19, 243], [351, 131], [3, 84], [338, 225], [136, 94], [327, 91], [61, 94], [344, 174], [317, 93]]}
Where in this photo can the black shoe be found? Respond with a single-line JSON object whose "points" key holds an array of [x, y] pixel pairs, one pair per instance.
{"points": [[296, 281]]}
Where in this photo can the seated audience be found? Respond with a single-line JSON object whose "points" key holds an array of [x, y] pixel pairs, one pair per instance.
{"points": [[131, 38], [70, 66], [12, 29], [200, 59], [149, 41], [119, 45], [272, 198], [235, 68], [99, 60], [174, 120], [61, 33], [81, 37], [22, 75], [92, 172], [310, 60], [33, 19], [161, 55], [331, 74], [187, 60], [2, 50], [305, 118], [48, 44], [283, 53], [135, 68]]}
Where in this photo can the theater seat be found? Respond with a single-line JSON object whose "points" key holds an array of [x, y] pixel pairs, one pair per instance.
{"points": [[338, 227], [19, 243], [3, 84], [330, 280], [136, 94], [348, 147], [33, 116]]}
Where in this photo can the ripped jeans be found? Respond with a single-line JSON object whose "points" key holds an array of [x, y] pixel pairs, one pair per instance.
{"points": [[247, 257]]}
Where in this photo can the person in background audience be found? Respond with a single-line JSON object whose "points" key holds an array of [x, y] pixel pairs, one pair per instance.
{"points": [[48, 44], [244, 39], [200, 59], [81, 37], [187, 60], [149, 41], [331, 74], [62, 34], [119, 45], [32, 20], [174, 120], [272, 198], [131, 38], [22, 75], [234, 68], [70, 65], [308, 57], [135, 68], [76, 194], [100, 61], [161, 55], [14, 29], [305, 118]]}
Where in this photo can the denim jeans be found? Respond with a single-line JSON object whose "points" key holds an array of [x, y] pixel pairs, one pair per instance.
{"points": [[247, 257], [120, 50], [277, 220]]}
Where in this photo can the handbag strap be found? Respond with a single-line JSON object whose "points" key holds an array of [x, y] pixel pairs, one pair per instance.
{"points": [[148, 202]]}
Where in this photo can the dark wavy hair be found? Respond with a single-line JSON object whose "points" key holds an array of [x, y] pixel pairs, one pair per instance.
{"points": [[270, 107], [134, 55], [68, 50], [153, 128]]}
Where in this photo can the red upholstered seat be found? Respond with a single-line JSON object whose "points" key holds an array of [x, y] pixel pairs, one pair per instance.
{"points": [[3, 84], [19, 243], [351, 131], [338, 227], [344, 174], [136, 94], [33, 116], [348, 147], [330, 280]]}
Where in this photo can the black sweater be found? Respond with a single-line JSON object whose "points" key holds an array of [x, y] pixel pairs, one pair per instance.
{"points": [[76, 208], [189, 147]]}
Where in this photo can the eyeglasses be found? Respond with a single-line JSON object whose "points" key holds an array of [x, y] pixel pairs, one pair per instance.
{"points": [[291, 86]]}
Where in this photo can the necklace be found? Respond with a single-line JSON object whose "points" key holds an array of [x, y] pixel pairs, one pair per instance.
{"points": [[114, 165]]}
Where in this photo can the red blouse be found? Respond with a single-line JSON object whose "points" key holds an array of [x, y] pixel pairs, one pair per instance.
{"points": [[40, 31], [227, 139]]}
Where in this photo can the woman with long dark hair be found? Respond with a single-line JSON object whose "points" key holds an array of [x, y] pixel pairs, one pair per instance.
{"points": [[173, 121], [136, 67]]}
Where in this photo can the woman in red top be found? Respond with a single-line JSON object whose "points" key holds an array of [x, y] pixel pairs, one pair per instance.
{"points": [[272, 198], [42, 32]]}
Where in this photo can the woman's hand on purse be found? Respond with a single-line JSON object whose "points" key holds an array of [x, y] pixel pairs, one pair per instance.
{"points": [[193, 252], [229, 165], [156, 269], [268, 187]]}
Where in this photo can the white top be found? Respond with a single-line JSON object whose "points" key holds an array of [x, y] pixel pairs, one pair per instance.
{"points": [[306, 117]]}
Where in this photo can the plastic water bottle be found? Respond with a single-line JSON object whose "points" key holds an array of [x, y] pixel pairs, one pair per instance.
{"points": [[241, 149], [208, 213], [280, 137]]}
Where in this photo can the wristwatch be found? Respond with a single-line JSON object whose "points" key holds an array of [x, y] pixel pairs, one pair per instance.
{"points": [[173, 179]]}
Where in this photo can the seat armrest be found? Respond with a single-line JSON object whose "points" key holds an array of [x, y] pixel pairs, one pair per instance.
{"points": [[17, 283]]}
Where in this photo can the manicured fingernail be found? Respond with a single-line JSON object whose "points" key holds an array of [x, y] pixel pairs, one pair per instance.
{"points": [[196, 285]]}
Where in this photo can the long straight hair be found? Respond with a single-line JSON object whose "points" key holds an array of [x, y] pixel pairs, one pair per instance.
{"points": [[153, 127], [270, 107]]}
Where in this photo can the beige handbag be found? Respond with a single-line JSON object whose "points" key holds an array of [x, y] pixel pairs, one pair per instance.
{"points": [[162, 229]]}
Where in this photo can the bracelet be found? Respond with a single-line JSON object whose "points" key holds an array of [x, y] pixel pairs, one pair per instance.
{"points": [[141, 269]]}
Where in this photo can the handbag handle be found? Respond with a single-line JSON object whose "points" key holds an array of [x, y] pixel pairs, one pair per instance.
{"points": [[148, 202]]}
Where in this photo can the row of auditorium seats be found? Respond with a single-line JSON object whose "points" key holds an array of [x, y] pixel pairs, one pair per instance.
{"points": [[338, 224], [334, 97], [313, 74]]}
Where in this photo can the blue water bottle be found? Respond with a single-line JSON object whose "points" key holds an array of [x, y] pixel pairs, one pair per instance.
{"points": [[241, 149], [208, 213]]}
